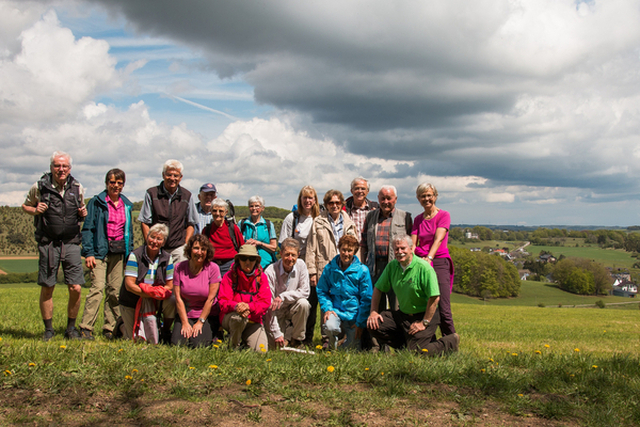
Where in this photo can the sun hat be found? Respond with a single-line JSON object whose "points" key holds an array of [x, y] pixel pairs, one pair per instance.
{"points": [[247, 250]]}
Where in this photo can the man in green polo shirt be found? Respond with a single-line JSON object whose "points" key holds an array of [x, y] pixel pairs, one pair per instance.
{"points": [[416, 287]]}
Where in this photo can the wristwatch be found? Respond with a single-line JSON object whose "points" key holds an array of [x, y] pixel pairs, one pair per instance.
{"points": [[430, 257], [202, 320], [425, 322]]}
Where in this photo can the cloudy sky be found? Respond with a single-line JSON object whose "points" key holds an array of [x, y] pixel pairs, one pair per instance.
{"points": [[520, 112]]}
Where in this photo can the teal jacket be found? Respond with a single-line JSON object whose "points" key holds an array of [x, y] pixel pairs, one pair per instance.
{"points": [[94, 230], [347, 293]]}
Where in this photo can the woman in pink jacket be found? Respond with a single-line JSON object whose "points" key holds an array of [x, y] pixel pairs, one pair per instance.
{"points": [[244, 298]]}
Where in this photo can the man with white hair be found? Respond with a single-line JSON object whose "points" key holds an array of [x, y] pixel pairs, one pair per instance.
{"points": [[414, 324], [174, 206], [171, 205], [57, 203], [358, 206], [381, 227]]}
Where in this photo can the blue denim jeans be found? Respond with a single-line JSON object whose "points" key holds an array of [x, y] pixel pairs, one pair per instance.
{"points": [[334, 326]]}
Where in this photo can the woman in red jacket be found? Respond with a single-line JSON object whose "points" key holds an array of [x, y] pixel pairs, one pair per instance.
{"points": [[244, 298]]}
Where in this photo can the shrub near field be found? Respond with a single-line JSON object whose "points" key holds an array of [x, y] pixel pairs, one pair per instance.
{"points": [[480, 274], [516, 366]]}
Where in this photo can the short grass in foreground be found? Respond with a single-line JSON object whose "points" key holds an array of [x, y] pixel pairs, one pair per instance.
{"points": [[577, 366]]}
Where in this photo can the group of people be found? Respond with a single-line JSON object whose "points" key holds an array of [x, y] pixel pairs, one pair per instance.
{"points": [[380, 278]]}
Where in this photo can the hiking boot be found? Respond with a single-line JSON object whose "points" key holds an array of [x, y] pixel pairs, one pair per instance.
{"points": [[108, 335], [72, 334], [86, 334], [48, 334]]}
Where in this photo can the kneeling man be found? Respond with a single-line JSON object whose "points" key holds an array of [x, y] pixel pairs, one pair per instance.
{"points": [[414, 325], [286, 319]]}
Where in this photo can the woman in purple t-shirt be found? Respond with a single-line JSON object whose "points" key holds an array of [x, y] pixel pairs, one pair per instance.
{"points": [[430, 234], [196, 283]]}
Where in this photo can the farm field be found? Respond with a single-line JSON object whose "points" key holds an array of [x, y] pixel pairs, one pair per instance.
{"points": [[616, 258], [534, 293], [19, 265], [520, 366]]}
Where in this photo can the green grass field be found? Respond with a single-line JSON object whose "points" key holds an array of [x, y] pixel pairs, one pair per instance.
{"points": [[616, 258], [18, 265], [517, 365]]}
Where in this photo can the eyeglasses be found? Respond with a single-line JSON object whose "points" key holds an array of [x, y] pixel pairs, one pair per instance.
{"points": [[58, 166], [245, 258], [119, 183], [334, 203]]}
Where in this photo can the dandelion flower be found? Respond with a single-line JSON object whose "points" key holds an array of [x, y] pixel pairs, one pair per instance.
{"points": [[261, 345], [538, 352], [547, 346], [141, 380], [514, 354], [577, 350], [482, 370], [213, 366], [0, 339], [328, 353], [128, 377], [268, 360], [490, 360], [31, 364], [366, 369], [134, 371], [215, 346], [248, 382], [191, 367], [120, 351], [330, 369], [7, 372], [520, 395], [381, 373], [63, 347], [264, 350], [602, 331], [594, 366], [424, 350], [318, 347]]}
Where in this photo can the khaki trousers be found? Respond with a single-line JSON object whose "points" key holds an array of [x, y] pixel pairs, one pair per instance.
{"points": [[107, 275], [242, 330]]}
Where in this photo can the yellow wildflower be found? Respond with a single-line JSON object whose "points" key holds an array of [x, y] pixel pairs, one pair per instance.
{"points": [[264, 350], [330, 368], [424, 350], [120, 351], [490, 360], [63, 346], [191, 367], [128, 377], [31, 364], [261, 345], [381, 373], [268, 360], [482, 370], [134, 371], [514, 354], [7, 372], [215, 346], [318, 347], [576, 350], [594, 366], [248, 382], [213, 366], [538, 352], [547, 346], [520, 394], [366, 369]]}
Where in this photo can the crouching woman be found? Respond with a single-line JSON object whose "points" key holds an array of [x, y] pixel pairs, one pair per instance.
{"points": [[244, 297], [148, 281]]}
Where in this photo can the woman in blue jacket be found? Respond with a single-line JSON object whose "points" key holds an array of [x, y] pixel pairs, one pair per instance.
{"points": [[344, 293], [107, 240]]}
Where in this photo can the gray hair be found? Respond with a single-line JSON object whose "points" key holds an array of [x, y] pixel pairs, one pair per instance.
{"points": [[358, 179], [424, 187], [290, 242], [256, 199], [161, 229], [389, 188], [406, 238], [61, 154], [172, 164], [220, 203]]}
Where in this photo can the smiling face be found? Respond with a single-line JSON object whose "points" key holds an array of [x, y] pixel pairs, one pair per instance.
{"points": [[155, 241], [359, 191], [427, 199], [387, 200], [403, 253], [60, 169], [334, 206], [255, 209], [217, 215], [198, 253], [347, 252], [308, 201], [206, 198], [114, 187], [172, 178], [289, 258]]}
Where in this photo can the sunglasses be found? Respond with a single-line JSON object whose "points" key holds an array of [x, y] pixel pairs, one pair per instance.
{"points": [[244, 258], [119, 183]]}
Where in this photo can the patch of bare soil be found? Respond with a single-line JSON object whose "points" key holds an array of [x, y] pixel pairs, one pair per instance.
{"points": [[231, 406]]}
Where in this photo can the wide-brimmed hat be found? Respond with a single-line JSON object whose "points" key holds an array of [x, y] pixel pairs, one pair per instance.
{"points": [[247, 250]]}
